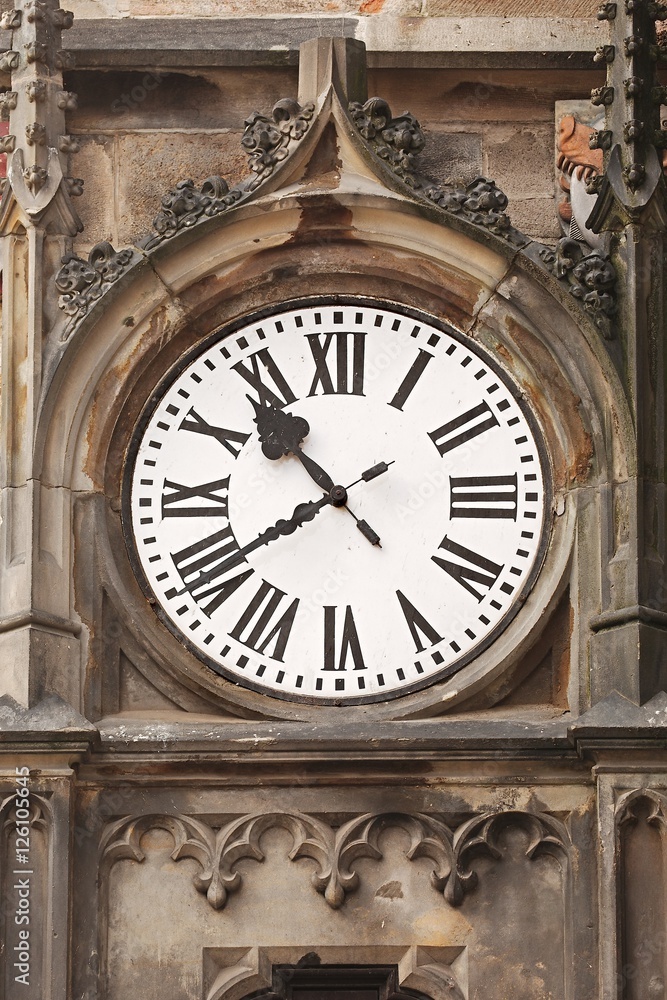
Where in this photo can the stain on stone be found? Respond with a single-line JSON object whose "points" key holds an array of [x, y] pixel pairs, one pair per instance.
{"points": [[390, 890], [371, 7]]}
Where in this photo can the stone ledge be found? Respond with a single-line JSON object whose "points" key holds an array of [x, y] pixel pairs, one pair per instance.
{"points": [[392, 42]]}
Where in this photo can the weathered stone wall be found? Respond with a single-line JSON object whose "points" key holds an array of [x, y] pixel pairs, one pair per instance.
{"points": [[409, 8], [141, 132]]}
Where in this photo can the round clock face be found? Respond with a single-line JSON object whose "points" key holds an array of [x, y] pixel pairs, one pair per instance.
{"points": [[337, 502]]}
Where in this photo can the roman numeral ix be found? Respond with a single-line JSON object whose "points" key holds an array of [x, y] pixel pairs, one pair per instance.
{"points": [[349, 363], [175, 495]]}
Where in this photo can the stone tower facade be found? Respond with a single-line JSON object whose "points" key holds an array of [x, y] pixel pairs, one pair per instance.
{"points": [[194, 816]]}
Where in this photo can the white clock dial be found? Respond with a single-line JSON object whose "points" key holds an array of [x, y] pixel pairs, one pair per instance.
{"points": [[337, 502]]}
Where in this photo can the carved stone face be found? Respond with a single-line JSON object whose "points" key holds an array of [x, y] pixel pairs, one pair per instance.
{"points": [[337, 502]]}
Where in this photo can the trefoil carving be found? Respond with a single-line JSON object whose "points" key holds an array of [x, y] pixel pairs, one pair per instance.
{"points": [[334, 850], [81, 283], [631, 803], [480, 835]]}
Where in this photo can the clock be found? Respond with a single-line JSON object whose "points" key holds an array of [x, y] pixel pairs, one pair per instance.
{"points": [[337, 501]]}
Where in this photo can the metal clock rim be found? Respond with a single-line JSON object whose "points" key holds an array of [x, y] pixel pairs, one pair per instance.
{"points": [[227, 330]]}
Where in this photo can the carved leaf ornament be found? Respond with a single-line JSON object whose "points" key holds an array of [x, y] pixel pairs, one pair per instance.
{"points": [[81, 283], [396, 141], [334, 850], [590, 277]]}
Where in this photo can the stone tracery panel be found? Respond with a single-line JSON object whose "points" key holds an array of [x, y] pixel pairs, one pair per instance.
{"points": [[334, 850]]}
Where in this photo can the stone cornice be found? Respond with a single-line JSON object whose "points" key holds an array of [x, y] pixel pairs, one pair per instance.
{"points": [[392, 42]]}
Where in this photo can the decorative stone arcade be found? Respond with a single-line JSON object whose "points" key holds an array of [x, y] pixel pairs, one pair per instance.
{"points": [[490, 824]]}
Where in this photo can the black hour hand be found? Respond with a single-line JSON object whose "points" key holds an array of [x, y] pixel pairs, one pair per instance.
{"points": [[280, 433]]}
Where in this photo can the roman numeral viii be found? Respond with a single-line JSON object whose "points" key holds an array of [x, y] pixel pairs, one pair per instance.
{"points": [[280, 394], [464, 427], [349, 363], [347, 645], [483, 496], [193, 422], [176, 499], [468, 568], [202, 565]]}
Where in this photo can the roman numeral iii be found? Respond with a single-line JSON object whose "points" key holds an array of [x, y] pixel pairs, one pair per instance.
{"points": [[484, 496], [349, 363], [463, 428]]}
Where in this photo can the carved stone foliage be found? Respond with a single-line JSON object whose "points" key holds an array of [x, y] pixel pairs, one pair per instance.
{"points": [[398, 140], [185, 204], [267, 140], [590, 277], [36, 104], [81, 283], [334, 850], [395, 140]]}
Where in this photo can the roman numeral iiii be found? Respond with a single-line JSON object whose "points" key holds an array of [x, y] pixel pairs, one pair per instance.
{"points": [[471, 567]]}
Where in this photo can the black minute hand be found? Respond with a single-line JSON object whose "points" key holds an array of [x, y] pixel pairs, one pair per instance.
{"points": [[302, 513]]}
